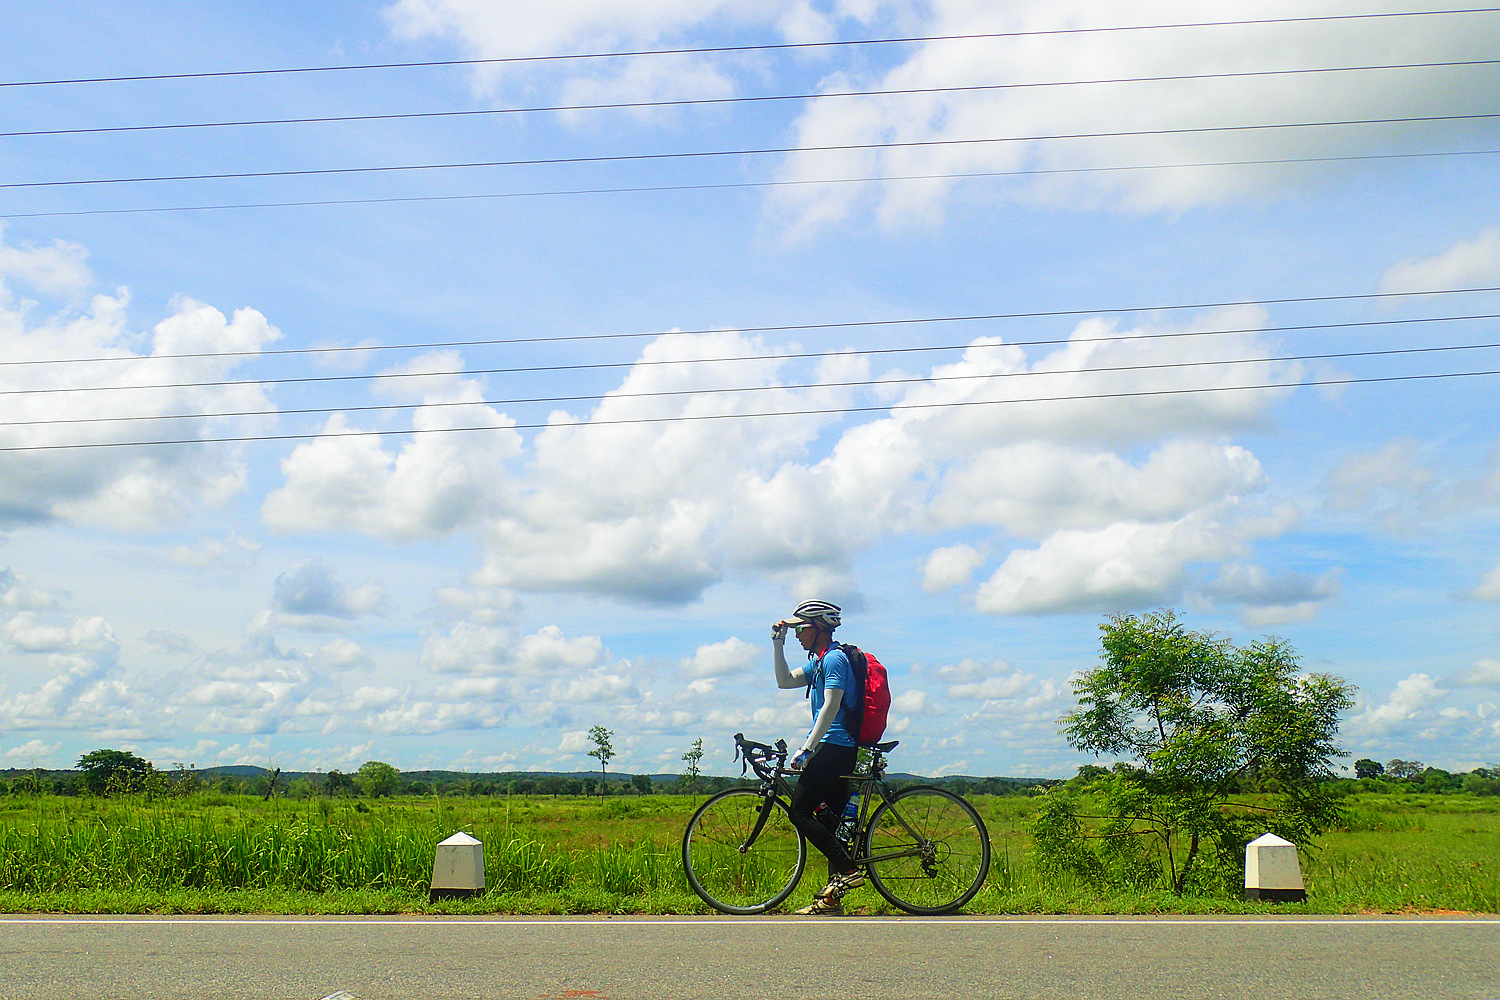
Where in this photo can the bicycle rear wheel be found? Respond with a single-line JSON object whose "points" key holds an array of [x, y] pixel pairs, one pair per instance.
{"points": [[734, 878], [929, 850]]}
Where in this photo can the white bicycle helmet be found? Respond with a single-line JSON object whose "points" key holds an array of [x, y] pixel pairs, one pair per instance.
{"points": [[819, 613]]}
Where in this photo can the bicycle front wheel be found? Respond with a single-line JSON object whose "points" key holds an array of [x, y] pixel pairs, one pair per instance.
{"points": [[929, 851], [730, 875]]}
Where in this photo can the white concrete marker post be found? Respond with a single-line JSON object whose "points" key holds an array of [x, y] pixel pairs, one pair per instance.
{"points": [[1272, 870], [458, 868]]}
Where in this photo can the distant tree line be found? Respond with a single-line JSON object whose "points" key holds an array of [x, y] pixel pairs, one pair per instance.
{"points": [[1404, 776], [112, 773], [1425, 779]]}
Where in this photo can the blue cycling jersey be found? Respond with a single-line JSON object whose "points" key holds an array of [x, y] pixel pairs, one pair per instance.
{"points": [[833, 670]]}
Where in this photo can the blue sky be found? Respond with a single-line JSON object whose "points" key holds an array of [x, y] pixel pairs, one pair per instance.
{"points": [[479, 599]]}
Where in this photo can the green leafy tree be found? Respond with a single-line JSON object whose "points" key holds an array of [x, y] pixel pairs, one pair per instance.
{"points": [[376, 778], [185, 779], [1404, 770], [1196, 719], [602, 749], [694, 757], [1087, 774], [28, 784], [113, 772], [1482, 781], [1367, 768], [641, 783], [339, 783]]}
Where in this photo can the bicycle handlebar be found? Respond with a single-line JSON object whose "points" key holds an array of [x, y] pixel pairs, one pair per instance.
{"points": [[758, 756]]}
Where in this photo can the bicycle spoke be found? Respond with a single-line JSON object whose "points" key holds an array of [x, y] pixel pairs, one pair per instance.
{"points": [[942, 866], [737, 880]]}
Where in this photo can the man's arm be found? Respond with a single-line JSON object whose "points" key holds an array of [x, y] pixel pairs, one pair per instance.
{"points": [[786, 677], [832, 699]]}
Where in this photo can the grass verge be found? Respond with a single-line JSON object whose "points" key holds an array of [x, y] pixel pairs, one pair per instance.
{"points": [[216, 854]]}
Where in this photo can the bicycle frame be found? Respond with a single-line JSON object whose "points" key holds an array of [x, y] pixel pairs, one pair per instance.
{"points": [[866, 783], [871, 782], [924, 849]]}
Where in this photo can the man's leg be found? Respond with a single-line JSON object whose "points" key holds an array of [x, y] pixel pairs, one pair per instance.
{"points": [[823, 781]]}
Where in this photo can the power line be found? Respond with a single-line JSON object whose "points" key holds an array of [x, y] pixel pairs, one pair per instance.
{"points": [[752, 99], [740, 185], [853, 384], [596, 366], [827, 411], [768, 47], [695, 154]]}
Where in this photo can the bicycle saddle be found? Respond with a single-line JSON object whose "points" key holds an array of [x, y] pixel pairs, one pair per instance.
{"points": [[886, 747]]}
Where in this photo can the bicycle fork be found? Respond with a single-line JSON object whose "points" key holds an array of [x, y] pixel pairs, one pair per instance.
{"points": [[767, 803]]}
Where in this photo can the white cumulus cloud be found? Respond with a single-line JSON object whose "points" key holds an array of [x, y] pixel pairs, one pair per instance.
{"points": [[1121, 566], [660, 491], [1483, 674], [1489, 587], [950, 567], [121, 487], [437, 481], [732, 656], [1410, 696], [1274, 599], [1466, 264], [538, 28], [1161, 115]]}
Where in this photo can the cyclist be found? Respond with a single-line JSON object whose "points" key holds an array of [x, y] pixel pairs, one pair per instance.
{"points": [[830, 750]]}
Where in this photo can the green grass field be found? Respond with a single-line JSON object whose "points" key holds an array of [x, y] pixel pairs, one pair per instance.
{"points": [[213, 853]]}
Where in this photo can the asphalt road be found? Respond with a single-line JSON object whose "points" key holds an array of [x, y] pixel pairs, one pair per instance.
{"points": [[667, 958]]}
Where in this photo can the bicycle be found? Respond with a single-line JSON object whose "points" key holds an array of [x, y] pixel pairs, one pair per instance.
{"points": [[926, 849]]}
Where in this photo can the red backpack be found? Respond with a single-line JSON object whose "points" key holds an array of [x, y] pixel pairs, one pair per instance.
{"points": [[871, 709]]}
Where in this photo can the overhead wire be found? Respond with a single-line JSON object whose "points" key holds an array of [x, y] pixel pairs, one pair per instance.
{"points": [[700, 154], [718, 390], [698, 417], [740, 185], [763, 47], [855, 324], [753, 98], [713, 153]]}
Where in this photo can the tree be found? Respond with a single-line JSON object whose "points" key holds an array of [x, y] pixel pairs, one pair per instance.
{"points": [[1403, 770], [602, 749], [1482, 782], [28, 784], [1367, 768], [185, 779], [1197, 717], [113, 771], [376, 778], [641, 783], [1088, 773], [337, 781], [694, 757]]}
